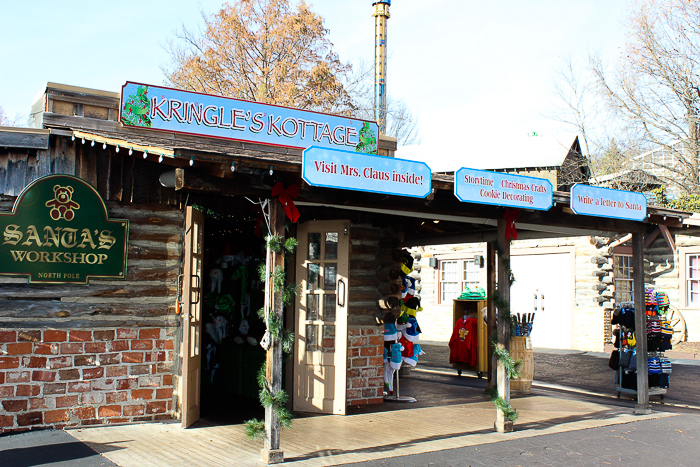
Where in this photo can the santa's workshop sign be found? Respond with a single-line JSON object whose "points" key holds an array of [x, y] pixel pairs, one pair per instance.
{"points": [[167, 109], [59, 232]]}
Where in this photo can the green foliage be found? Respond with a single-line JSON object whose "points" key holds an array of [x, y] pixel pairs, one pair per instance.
{"points": [[686, 202], [254, 429], [275, 243], [291, 244], [275, 326]]}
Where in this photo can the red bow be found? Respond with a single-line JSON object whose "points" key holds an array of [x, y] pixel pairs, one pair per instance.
{"points": [[510, 215], [285, 197]]}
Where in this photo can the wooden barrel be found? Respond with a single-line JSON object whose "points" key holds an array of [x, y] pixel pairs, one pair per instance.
{"points": [[521, 348]]}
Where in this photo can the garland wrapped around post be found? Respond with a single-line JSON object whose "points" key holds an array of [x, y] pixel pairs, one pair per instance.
{"points": [[511, 368], [275, 330]]}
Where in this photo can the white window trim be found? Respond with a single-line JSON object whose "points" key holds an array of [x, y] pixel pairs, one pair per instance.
{"points": [[682, 276]]}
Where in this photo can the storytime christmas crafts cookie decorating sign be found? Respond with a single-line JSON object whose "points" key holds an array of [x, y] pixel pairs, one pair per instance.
{"points": [[606, 202], [518, 191], [332, 168], [167, 109]]}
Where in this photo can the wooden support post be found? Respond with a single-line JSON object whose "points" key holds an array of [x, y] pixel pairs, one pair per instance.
{"points": [[502, 424], [640, 325], [271, 452], [491, 313]]}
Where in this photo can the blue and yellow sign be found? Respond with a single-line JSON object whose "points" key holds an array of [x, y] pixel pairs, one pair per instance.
{"points": [[607, 202]]}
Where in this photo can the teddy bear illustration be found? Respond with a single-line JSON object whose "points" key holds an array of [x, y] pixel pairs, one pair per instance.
{"points": [[62, 205]]}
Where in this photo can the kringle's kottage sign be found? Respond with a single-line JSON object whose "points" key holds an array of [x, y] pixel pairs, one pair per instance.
{"points": [[59, 231], [167, 109]]}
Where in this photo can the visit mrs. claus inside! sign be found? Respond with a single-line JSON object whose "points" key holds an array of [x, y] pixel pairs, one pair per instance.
{"points": [[59, 231]]}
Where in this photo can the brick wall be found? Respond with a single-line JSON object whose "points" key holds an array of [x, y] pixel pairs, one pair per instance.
{"points": [[58, 377], [365, 365]]}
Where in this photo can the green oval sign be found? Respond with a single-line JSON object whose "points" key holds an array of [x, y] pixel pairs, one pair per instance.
{"points": [[59, 232]]}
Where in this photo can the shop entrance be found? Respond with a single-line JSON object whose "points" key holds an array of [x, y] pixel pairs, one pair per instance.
{"points": [[222, 343], [320, 349]]}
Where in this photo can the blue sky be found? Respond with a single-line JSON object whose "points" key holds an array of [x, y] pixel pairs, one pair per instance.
{"points": [[473, 72]]}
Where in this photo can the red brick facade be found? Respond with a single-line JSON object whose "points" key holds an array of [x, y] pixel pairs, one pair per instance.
{"points": [[71, 377], [365, 365]]}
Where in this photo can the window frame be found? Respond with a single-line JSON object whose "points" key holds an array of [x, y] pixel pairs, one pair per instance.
{"points": [[684, 278], [462, 277]]}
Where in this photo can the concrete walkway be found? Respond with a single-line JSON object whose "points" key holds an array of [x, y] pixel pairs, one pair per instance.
{"points": [[333, 440]]}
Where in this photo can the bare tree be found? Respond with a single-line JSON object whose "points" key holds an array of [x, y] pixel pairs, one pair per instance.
{"points": [[401, 123], [18, 120], [655, 89]]}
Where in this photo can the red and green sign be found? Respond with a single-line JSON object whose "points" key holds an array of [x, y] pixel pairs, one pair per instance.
{"points": [[59, 232]]}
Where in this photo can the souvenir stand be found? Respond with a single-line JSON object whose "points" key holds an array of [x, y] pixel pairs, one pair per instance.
{"points": [[469, 340], [401, 335], [659, 334]]}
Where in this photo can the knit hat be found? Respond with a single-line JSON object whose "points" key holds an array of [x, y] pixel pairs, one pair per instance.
{"points": [[390, 332], [411, 332], [395, 359], [411, 306]]}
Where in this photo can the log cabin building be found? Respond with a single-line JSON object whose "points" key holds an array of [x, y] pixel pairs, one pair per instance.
{"points": [[178, 335]]}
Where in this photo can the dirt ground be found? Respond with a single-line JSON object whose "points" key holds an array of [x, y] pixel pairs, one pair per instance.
{"points": [[691, 347]]}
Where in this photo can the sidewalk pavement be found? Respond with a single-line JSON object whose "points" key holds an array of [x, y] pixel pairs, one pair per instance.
{"points": [[334, 440]]}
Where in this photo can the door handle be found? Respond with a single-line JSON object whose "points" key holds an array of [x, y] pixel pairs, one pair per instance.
{"points": [[341, 296], [194, 289]]}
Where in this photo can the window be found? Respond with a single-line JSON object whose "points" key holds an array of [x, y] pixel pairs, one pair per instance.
{"points": [[623, 278], [454, 276], [692, 279]]}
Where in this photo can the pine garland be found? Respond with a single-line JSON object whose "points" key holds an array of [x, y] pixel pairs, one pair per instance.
{"points": [[503, 355], [255, 428]]}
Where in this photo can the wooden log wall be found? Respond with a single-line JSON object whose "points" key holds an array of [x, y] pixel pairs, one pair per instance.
{"points": [[145, 298]]}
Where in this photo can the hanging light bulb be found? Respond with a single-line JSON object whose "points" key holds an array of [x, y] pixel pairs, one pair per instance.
{"points": [[83, 140], [117, 148], [92, 143], [131, 151], [271, 171], [145, 154], [191, 161], [233, 166], [72, 138], [160, 159], [104, 145]]}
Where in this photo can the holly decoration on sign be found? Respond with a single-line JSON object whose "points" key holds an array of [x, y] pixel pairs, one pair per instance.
{"points": [[368, 140], [137, 109]]}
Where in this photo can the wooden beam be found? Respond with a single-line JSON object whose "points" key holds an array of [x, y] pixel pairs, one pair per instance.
{"points": [[651, 237], [491, 311], [503, 425], [271, 452], [668, 237], [640, 318]]}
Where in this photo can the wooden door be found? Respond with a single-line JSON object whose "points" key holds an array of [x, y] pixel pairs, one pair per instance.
{"points": [[320, 349], [192, 317]]}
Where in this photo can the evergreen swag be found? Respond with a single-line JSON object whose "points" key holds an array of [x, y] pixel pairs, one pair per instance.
{"points": [[256, 428], [503, 355]]}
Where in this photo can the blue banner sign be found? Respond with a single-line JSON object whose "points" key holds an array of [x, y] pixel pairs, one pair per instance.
{"points": [[158, 108], [606, 202], [347, 170], [500, 189]]}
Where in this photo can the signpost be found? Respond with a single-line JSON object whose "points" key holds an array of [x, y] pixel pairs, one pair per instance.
{"points": [[607, 202], [59, 232], [167, 109], [346, 170], [500, 189]]}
